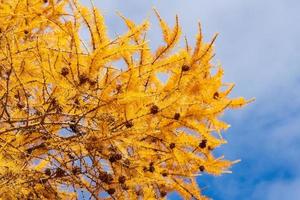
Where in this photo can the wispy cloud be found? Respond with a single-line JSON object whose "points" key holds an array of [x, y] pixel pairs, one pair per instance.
{"points": [[277, 190]]}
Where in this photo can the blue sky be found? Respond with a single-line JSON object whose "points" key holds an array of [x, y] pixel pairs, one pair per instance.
{"points": [[258, 47]]}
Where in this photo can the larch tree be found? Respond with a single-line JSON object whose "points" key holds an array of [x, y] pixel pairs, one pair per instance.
{"points": [[75, 121]]}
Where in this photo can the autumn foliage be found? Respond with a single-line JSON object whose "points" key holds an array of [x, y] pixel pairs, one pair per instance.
{"points": [[74, 122]]}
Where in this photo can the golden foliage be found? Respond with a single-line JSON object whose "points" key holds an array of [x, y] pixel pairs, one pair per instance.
{"points": [[71, 121]]}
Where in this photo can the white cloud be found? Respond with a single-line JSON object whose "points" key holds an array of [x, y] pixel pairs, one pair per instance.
{"points": [[278, 190]]}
